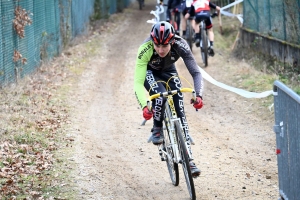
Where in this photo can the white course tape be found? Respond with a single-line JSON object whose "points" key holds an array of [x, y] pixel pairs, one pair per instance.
{"points": [[239, 16], [238, 91], [232, 4]]}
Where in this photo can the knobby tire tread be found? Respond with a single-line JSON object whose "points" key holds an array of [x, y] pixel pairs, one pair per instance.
{"points": [[185, 162], [204, 50], [190, 34], [173, 170]]}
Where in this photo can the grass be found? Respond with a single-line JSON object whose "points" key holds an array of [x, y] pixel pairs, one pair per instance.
{"points": [[268, 69]]}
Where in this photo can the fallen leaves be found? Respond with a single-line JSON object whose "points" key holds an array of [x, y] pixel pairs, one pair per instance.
{"points": [[18, 56], [21, 20], [17, 165], [31, 120]]}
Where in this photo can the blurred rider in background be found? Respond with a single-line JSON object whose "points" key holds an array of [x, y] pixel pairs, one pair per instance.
{"points": [[186, 5], [201, 8], [174, 6]]}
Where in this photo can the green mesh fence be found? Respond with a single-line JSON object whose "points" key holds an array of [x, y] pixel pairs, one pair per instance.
{"points": [[54, 24], [276, 18]]}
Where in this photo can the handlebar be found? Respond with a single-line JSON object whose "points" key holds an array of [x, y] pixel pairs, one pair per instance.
{"points": [[216, 13], [171, 92]]}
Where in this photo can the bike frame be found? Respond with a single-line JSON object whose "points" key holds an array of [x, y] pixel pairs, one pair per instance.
{"points": [[171, 117], [175, 148]]}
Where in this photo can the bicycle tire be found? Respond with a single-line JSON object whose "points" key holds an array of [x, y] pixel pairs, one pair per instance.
{"points": [[174, 24], [189, 33], [185, 161], [204, 47], [172, 166]]}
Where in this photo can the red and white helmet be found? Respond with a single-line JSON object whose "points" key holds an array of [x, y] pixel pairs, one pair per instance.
{"points": [[162, 33]]}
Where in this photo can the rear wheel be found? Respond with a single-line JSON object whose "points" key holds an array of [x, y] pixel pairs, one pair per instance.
{"points": [[204, 46], [172, 166], [189, 34], [185, 161]]}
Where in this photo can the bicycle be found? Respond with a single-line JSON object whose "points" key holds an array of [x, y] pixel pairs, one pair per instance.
{"points": [[141, 4], [204, 41], [175, 148]]}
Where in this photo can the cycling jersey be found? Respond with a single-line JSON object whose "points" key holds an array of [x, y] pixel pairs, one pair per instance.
{"points": [[201, 5], [188, 3], [148, 59]]}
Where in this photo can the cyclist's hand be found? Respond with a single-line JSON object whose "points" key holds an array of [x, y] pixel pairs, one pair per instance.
{"points": [[147, 114], [198, 103], [214, 14]]}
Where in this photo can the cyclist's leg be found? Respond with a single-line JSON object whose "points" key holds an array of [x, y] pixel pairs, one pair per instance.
{"points": [[175, 83], [179, 106], [183, 23], [210, 33], [177, 14], [198, 18], [209, 27], [153, 87], [168, 15]]}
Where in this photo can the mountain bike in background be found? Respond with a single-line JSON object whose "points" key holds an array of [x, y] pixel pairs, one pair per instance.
{"points": [[204, 41]]}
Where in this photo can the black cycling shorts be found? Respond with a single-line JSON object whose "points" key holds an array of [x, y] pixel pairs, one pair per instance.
{"points": [[204, 15]]}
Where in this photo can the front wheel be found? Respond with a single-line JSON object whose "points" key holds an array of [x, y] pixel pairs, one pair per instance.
{"points": [[185, 161], [172, 166]]}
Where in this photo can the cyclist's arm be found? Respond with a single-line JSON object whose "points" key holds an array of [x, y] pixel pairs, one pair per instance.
{"points": [[144, 54], [214, 6], [182, 48], [190, 12]]}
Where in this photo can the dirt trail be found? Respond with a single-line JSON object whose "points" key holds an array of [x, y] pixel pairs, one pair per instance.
{"points": [[235, 144]]}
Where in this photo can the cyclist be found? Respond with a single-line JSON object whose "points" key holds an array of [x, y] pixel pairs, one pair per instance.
{"points": [[174, 6], [186, 5], [156, 61], [201, 8]]}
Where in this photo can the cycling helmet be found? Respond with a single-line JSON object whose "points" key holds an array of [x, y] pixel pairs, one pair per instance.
{"points": [[162, 33]]}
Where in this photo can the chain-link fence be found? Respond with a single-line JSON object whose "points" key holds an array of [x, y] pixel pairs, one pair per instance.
{"points": [[276, 18], [35, 30]]}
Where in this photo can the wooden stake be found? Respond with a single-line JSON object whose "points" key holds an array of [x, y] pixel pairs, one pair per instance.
{"points": [[220, 23]]}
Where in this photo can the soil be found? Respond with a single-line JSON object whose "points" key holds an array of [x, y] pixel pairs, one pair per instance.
{"points": [[235, 143]]}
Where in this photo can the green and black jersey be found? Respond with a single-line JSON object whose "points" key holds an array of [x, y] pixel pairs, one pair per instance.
{"points": [[148, 59]]}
